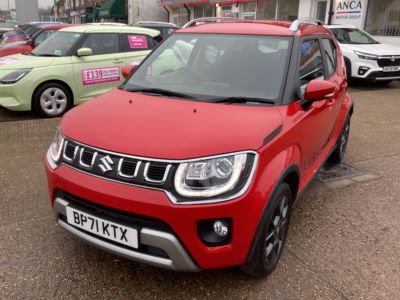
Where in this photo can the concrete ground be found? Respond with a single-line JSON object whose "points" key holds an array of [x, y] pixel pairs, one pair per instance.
{"points": [[344, 240]]}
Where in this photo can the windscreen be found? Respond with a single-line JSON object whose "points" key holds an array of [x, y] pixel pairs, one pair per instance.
{"points": [[211, 66], [353, 36], [58, 44]]}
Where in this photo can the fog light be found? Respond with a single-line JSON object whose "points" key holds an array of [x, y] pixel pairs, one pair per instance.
{"points": [[362, 70], [220, 228], [215, 232]]}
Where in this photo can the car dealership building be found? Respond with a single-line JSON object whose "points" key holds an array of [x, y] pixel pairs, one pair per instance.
{"points": [[380, 18]]}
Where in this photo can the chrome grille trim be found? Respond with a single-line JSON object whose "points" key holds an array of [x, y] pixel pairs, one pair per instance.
{"points": [[115, 164], [65, 155], [84, 164], [121, 174], [146, 170]]}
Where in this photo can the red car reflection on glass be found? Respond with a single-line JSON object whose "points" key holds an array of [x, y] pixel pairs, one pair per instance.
{"points": [[22, 44]]}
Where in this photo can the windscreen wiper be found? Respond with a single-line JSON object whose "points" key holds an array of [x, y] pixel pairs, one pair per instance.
{"points": [[241, 100], [161, 92], [48, 55]]}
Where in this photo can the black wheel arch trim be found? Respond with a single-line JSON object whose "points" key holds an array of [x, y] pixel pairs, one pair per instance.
{"points": [[261, 223]]}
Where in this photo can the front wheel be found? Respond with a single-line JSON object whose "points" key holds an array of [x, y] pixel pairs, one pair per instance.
{"points": [[52, 100], [341, 144], [270, 244]]}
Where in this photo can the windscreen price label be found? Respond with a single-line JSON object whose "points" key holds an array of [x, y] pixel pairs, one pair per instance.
{"points": [[100, 75]]}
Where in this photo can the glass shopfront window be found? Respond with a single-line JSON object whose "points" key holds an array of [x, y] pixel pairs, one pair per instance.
{"points": [[203, 11], [288, 10], [249, 10], [285, 10], [383, 18], [180, 16]]}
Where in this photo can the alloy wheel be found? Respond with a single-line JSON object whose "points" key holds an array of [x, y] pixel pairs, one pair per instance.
{"points": [[344, 139], [278, 228], [53, 101]]}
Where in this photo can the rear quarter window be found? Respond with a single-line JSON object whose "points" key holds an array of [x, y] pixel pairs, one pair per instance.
{"points": [[138, 42]]}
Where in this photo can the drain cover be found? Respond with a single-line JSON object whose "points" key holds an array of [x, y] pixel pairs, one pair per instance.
{"points": [[337, 172]]}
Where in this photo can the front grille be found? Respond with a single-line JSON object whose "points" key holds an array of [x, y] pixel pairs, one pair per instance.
{"points": [[69, 151], [156, 172], [118, 167], [87, 156], [128, 167], [389, 61]]}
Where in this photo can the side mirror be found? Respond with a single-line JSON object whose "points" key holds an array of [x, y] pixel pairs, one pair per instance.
{"points": [[84, 52], [29, 41], [319, 90], [128, 70]]}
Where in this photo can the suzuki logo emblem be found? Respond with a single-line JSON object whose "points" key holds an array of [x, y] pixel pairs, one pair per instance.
{"points": [[393, 58], [106, 163]]}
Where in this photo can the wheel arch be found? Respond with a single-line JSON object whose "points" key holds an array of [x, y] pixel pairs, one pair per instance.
{"points": [[347, 63], [61, 82]]}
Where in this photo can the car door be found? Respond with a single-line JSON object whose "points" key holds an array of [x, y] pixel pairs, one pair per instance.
{"points": [[98, 73], [137, 46], [318, 118]]}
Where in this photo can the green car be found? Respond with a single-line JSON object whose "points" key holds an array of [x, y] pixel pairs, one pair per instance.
{"points": [[73, 65]]}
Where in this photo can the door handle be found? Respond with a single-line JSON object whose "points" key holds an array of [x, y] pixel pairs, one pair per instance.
{"points": [[118, 61], [330, 102]]}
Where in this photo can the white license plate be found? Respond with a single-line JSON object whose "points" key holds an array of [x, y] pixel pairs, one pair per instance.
{"points": [[391, 69], [106, 229]]}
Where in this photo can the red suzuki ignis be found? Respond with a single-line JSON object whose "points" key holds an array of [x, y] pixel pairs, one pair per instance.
{"points": [[196, 161]]}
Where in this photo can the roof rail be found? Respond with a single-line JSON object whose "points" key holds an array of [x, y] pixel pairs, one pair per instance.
{"points": [[156, 22], [209, 20], [296, 24]]}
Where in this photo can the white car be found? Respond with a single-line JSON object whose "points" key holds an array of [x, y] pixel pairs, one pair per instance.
{"points": [[365, 57]]}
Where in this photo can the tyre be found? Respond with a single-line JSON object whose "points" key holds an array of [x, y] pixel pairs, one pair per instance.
{"points": [[341, 144], [270, 244], [52, 100]]}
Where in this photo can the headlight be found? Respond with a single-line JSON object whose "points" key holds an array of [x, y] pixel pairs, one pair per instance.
{"points": [[366, 55], [56, 147], [15, 76], [227, 175]]}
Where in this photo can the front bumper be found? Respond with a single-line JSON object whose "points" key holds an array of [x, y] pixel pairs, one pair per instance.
{"points": [[178, 259], [17, 96], [372, 71], [186, 251]]}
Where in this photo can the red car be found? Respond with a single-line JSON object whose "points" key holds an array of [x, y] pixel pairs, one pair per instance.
{"points": [[196, 161], [21, 45]]}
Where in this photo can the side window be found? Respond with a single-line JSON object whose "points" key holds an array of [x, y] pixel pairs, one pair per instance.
{"points": [[331, 55], [139, 42], [311, 64], [102, 43]]}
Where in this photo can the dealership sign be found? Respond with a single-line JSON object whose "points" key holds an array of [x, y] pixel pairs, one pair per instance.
{"points": [[349, 12]]}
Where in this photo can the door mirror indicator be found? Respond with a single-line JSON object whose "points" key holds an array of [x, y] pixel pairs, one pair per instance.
{"points": [[319, 90], [84, 52]]}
